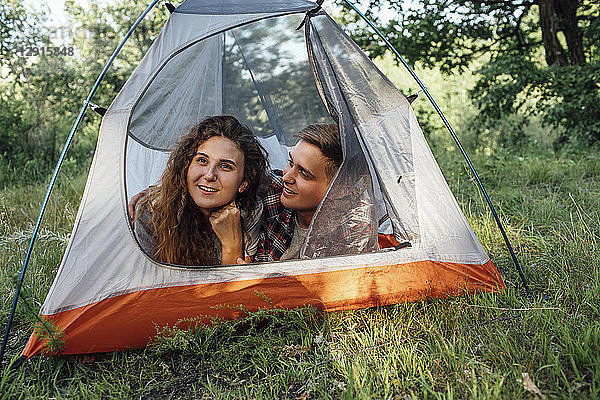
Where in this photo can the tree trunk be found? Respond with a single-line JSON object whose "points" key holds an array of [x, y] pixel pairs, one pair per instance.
{"points": [[555, 55], [566, 11]]}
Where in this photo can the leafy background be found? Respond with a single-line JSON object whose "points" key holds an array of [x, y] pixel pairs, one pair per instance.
{"points": [[518, 79]]}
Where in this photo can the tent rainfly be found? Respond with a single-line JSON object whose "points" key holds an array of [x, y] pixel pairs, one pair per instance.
{"points": [[247, 59]]}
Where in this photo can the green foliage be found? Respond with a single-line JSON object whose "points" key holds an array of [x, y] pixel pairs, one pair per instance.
{"points": [[98, 29], [505, 42], [40, 96], [253, 349], [576, 90], [446, 34], [466, 347], [566, 98], [18, 28], [474, 346], [43, 328], [19, 208]]}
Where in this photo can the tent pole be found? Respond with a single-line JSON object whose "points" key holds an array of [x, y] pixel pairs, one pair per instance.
{"points": [[57, 170], [462, 150]]}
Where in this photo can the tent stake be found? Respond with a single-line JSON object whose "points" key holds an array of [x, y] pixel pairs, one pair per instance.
{"points": [[462, 150], [57, 170]]}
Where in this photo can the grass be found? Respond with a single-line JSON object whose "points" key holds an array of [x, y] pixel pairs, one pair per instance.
{"points": [[465, 347]]}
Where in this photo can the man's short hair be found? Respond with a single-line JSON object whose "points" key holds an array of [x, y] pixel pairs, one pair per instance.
{"points": [[327, 138]]}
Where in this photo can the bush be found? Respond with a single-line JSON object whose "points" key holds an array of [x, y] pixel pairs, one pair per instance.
{"points": [[564, 98]]}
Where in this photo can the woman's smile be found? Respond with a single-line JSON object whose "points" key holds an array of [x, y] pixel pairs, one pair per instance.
{"points": [[207, 189]]}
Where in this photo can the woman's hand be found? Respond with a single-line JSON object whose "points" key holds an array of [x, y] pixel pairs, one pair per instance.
{"points": [[227, 225]]}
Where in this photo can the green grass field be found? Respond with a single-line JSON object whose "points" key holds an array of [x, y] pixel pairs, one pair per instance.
{"points": [[475, 346]]}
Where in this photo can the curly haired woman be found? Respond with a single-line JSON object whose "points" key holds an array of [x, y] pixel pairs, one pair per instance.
{"points": [[204, 211]]}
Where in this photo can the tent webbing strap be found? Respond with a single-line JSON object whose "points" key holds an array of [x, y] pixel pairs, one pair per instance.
{"points": [[310, 13], [455, 137], [57, 170]]}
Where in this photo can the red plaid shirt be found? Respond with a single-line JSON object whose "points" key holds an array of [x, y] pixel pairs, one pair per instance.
{"points": [[277, 227]]}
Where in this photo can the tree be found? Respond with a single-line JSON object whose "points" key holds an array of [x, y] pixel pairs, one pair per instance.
{"points": [[99, 28], [32, 89], [18, 29], [41, 91], [540, 56]]}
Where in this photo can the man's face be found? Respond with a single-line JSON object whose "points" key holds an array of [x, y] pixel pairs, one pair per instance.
{"points": [[304, 179]]}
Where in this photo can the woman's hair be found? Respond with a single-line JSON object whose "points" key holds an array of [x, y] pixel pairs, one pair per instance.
{"points": [[181, 232]]}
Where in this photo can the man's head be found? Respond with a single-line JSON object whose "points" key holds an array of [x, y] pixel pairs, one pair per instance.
{"points": [[313, 163]]}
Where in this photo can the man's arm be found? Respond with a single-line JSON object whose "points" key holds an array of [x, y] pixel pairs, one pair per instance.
{"points": [[133, 202]]}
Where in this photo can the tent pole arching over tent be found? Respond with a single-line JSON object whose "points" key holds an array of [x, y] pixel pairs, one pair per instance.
{"points": [[57, 170], [451, 130]]}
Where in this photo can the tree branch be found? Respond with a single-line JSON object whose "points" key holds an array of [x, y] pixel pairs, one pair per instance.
{"points": [[517, 30], [508, 2]]}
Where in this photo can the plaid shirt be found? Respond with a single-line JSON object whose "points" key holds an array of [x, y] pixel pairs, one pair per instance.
{"points": [[277, 226]]}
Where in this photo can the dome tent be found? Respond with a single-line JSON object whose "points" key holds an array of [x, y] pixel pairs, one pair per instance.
{"points": [[246, 58]]}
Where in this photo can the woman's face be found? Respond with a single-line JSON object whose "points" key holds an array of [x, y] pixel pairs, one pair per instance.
{"points": [[216, 174]]}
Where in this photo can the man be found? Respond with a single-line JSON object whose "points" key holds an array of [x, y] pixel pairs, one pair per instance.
{"points": [[292, 196]]}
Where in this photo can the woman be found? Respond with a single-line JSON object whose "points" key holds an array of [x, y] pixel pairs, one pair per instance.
{"points": [[200, 213]]}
